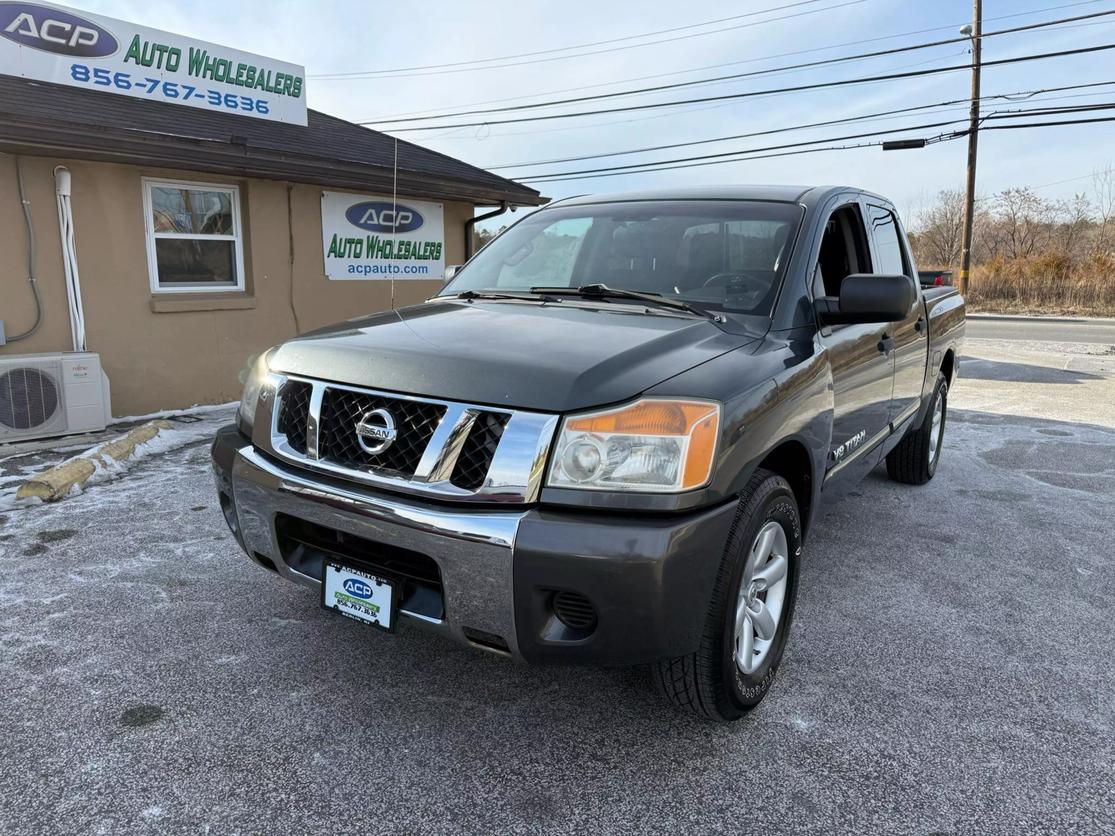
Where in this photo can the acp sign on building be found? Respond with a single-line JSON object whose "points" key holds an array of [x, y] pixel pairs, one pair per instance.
{"points": [[370, 237], [50, 43]]}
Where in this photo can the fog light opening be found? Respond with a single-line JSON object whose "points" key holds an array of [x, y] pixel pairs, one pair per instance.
{"points": [[574, 610]]}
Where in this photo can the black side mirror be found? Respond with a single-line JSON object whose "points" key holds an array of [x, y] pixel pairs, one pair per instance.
{"points": [[866, 297]]}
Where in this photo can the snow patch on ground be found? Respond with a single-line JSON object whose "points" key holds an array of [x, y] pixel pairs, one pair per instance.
{"points": [[107, 468], [201, 409]]}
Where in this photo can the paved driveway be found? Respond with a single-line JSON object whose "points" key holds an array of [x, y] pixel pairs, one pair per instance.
{"points": [[950, 668]]}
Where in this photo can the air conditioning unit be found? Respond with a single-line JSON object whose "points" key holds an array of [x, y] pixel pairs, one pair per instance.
{"points": [[44, 395]]}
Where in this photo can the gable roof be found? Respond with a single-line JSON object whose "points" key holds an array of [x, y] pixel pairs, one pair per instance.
{"points": [[38, 117]]}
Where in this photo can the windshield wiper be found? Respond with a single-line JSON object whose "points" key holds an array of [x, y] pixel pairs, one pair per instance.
{"points": [[602, 291], [529, 296]]}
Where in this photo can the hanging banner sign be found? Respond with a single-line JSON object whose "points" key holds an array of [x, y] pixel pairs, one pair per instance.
{"points": [[374, 237], [50, 43]]}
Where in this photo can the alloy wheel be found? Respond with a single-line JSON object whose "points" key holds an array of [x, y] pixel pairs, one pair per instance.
{"points": [[762, 592], [937, 430]]}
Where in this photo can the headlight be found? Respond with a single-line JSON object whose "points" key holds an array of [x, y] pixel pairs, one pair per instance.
{"points": [[657, 446], [246, 415]]}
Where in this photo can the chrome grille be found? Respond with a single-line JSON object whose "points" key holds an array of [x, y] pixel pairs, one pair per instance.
{"points": [[479, 449], [342, 409], [451, 450], [294, 412]]}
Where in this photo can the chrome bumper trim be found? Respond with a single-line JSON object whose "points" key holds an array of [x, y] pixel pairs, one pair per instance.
{"points": [[473, 551]]}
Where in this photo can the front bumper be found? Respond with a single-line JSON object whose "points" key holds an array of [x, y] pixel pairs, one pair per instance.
{"points": [[647, 578]]}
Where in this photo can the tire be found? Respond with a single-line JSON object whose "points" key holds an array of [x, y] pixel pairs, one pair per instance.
{"points": [[711, 682], [914, 460]]}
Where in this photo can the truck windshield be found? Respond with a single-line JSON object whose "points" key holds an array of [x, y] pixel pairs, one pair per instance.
{"points": [[720, 254]]}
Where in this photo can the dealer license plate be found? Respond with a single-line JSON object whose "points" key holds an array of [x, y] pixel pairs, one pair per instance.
{"points": [[359, 595]]}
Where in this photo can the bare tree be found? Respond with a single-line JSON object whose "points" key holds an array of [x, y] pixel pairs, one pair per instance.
{"points": [[939, 229], [1021, 225], [1072, 219], [1103, 184], [1029, 253]]}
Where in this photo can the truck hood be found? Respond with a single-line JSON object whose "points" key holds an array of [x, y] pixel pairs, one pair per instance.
{"points": [[550, 358]]}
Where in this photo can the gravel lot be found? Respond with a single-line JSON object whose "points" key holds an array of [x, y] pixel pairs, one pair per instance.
{"points": [[949, 671]]}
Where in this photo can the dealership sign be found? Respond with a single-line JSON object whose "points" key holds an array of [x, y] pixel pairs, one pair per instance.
{"points": [[50, 43], [366, 237]]}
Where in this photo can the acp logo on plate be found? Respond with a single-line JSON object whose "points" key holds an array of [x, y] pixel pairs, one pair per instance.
{"points": [[358, 588], [383, 216], [55, 30]]}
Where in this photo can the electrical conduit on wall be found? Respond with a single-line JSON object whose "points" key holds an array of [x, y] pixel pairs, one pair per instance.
{"points": [[69, 256], [25, 205]]}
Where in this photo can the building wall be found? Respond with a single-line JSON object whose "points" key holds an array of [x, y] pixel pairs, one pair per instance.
{"points": [[174, 351]]}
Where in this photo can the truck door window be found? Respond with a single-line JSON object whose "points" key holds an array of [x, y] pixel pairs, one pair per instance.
{"points": [[888, 243], [843, 250]]}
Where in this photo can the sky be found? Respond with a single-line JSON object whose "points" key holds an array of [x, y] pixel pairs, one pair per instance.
{"points": [[344, 36]]}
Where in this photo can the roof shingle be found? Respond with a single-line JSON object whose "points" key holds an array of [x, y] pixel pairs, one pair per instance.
{"points": [[113, 126]]}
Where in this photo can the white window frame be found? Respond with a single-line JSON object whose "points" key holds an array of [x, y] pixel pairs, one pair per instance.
{"points": [[151, 235]]}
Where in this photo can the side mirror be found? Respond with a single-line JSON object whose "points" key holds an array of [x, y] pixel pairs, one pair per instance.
{"points": [[451, 270], [866, 297]]}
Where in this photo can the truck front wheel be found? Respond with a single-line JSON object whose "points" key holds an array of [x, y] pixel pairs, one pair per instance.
{"points": [[751, 609]]}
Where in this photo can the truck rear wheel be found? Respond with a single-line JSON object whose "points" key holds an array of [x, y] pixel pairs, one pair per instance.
{"points": [[914, 460], [751, 609]]}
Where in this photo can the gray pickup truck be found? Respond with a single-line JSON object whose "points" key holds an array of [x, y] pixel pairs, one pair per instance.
{"points": [[605, 439]]}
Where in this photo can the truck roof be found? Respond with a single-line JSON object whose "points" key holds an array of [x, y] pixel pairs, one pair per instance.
{"points": [[784, 194]]}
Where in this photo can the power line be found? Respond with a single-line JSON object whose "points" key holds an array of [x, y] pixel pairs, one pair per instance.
{"points": [[863, 135], [827, 123], [633, 167], [481, 133], [362, 73], [1050, 124], [752, 154], [462, 66], [1046, 111], [1092, 176], [751, 60], [750, 74], [754, 93], [787, 129], [714, 162]]}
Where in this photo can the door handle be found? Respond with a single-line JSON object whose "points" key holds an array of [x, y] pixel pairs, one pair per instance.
{"points": [[886, 344], [919, 326]]}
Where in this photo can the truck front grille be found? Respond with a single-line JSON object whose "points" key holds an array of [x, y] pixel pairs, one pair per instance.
{"points": [[443, 448], [342, 409], [479, 450], [294, 412]]}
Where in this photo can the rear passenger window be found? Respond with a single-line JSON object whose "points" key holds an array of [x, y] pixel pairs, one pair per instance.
{"points": [[888, 243]]}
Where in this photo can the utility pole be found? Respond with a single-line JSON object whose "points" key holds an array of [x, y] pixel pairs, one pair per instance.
{"points": [[975, 30]]}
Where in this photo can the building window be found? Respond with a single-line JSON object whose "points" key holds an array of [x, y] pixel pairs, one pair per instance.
{"points": [[194, 241]]}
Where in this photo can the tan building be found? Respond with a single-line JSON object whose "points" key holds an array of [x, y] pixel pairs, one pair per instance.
{"points": [[198, 235]]}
